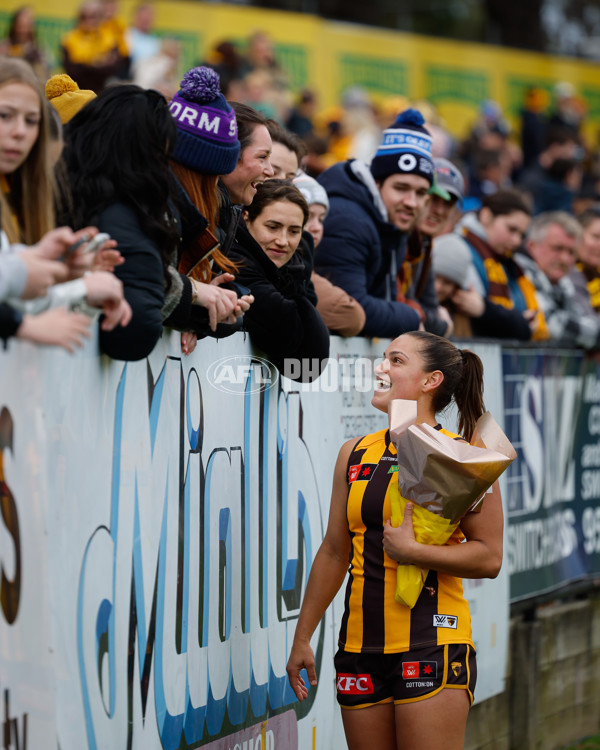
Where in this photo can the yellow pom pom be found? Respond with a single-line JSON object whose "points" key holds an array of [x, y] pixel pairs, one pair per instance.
{"points": [[60, 84]]}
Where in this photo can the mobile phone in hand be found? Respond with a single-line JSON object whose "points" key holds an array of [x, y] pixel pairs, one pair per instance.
{"points": [[96, 242], [89, 245]]}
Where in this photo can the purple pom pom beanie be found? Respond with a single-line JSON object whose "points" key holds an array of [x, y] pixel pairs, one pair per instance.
{"points": [[207, 135], [406, 148]]}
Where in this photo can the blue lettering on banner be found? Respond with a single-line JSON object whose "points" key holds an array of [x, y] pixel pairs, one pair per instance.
{"points": [[159, 618]]}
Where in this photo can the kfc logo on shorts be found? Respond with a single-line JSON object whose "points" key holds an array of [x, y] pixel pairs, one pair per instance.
{"points": [[354, 684], [361, 472], [414, 669]]}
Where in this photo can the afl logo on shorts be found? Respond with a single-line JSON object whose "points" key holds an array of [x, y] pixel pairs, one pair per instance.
{"points": [[413, 669], [407, 162], [354, 684]]}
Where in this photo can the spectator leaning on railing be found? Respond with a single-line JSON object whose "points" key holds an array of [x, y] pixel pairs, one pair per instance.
{"points": [[551, 252], [372, 209], [253, 167], [27, 201], [282, 320], [206, 148], [501, 300]]}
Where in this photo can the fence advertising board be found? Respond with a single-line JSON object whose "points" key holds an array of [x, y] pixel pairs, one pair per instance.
{"points": [[159, 520], [552, 415]]}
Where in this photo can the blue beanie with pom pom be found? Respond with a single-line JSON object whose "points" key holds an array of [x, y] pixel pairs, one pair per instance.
{"points": [[406, 148], [207, 135]]}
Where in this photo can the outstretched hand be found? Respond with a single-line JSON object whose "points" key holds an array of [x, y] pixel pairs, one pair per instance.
{"points": [[56, 327]]}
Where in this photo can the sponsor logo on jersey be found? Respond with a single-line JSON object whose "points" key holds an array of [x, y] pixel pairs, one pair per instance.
{"points": [[354, 684], [393, 469], [414, 669], [445, 621], [361, 472]]}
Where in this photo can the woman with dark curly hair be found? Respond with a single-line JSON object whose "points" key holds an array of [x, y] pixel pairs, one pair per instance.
{"points": [[117, 159]]}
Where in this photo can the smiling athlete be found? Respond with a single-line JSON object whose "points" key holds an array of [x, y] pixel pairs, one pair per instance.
{"points": [[403, 676]]}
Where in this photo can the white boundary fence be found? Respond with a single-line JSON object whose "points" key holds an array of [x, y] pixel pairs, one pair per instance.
{"points": [[155, 538]]}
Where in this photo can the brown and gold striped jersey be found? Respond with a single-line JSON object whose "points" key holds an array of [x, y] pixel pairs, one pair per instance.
{"points": [[373, 620]]}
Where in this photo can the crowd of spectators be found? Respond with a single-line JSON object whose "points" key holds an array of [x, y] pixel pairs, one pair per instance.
{"points": [[227, 205]]}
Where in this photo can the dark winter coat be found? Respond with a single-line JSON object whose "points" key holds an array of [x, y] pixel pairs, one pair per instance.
{"points": [[282, 321], [361, 251], [143, 280]]}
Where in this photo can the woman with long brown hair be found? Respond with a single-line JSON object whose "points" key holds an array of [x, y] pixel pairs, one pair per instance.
{"points": [[206, 148], [27, 215]]}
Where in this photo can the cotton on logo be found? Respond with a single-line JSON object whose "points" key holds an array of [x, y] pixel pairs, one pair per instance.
{"points": [[354, 684]]}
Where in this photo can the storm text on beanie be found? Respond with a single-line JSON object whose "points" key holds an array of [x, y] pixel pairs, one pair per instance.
{"points": [[406, 148], [207, 137]]}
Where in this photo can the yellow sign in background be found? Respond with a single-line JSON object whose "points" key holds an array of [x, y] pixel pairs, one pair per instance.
{"points": [[329, 57]]}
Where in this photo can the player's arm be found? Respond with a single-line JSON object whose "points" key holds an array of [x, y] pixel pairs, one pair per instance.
{"points": [[326, 576], [480, 556]]}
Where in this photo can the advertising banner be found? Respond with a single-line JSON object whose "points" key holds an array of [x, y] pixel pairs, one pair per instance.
{"points": [[159, 521], [552, 415]]}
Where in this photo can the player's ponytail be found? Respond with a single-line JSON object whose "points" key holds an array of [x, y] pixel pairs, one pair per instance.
{"points": [[463, 378]]}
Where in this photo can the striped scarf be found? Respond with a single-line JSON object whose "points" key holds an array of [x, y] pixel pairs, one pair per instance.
{"points": [[498, 269]]}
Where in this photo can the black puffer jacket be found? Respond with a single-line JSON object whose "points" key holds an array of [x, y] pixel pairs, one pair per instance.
{"points": [[143, 280], [282, 321]]}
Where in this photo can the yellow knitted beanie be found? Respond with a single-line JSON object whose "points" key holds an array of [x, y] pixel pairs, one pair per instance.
{"points": [[66, 96]]}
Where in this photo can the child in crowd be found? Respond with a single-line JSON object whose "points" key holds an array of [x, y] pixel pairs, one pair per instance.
{"points": [[452, 268]]}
